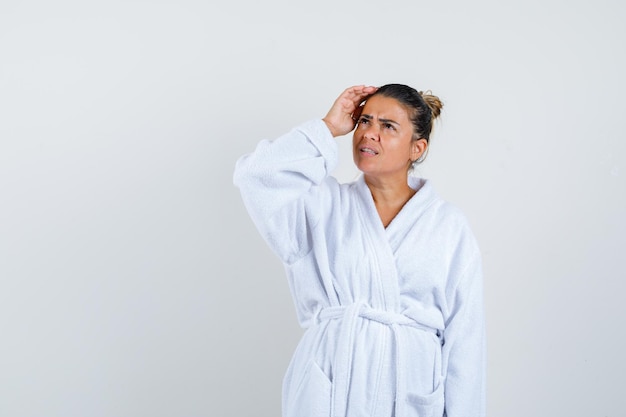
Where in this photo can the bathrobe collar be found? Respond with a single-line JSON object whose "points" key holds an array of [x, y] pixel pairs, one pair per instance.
{"points": [[411, 212]]}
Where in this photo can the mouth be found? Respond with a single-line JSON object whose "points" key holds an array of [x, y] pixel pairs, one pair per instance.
{"points": [[368, 150]]}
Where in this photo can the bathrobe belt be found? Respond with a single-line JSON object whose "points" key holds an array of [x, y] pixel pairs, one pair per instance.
{"points": [[345, 348]]}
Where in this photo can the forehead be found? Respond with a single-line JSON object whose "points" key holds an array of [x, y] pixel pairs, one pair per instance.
{"points": [[382, 107]]}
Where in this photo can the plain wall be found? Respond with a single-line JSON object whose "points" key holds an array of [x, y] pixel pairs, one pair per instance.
{"points": [[133, 283]]}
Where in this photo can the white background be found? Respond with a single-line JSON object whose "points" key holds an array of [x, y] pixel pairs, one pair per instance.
{"points": [[133, 283]]}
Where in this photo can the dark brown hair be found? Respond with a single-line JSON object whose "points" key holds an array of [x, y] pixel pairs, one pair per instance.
{"points": [[423, 107]]}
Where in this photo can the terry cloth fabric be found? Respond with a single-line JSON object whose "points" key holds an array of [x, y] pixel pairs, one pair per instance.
{"points": [[394, 316]]}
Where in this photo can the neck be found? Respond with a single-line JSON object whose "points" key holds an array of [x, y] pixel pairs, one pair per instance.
{"points": [[389, 191], [389, 195]]}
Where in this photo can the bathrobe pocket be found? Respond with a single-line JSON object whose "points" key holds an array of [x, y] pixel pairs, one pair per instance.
{"points": [[430, 405], [312, 397]]}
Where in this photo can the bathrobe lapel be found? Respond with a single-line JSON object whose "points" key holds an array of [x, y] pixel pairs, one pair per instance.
{"points": [[384, 242], [380, 249]]}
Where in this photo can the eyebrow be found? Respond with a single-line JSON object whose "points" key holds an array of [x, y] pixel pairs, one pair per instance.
{"points": [[368, 117]]}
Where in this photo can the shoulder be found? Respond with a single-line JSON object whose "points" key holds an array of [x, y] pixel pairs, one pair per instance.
{"points": [[443, 208], [335, 193], [453, 214], [427, 201], [452, 233], [447, 218]]}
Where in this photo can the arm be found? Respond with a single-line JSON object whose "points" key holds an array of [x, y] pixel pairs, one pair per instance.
{"points": [[464, 345], [281, 182]]}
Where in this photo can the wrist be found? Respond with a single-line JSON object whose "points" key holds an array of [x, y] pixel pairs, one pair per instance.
{"points": [[331, 127]]}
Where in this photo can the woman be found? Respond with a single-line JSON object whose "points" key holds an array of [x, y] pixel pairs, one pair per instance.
{"points": [[386, 276]]}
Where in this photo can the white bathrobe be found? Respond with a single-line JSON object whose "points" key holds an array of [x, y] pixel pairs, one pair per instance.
{"points": [[393, 316]]}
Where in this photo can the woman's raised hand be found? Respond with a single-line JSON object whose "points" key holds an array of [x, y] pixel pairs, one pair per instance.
{"points": [[344, 113]]}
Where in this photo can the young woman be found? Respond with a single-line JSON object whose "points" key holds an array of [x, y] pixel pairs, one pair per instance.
{"points": [[386, 276]]}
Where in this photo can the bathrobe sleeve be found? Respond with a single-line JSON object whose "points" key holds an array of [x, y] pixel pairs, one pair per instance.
{"points": [[464, 339], [282, 184]]}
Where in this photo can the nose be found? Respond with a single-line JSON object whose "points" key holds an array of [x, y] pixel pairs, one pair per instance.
{"points": [[372, 132]]}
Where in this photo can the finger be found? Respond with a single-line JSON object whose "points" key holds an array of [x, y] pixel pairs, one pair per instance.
{"points": [[363, 89], [358, 93]]}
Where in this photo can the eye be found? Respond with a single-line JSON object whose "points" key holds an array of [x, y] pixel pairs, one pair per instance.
{"points": [[362, 122], [389, 126]]}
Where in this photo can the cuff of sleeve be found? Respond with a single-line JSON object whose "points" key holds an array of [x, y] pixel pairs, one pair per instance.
{"points": [[318, 134]]}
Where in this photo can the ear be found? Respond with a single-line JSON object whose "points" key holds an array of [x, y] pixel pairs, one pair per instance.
{"points": [[418, 147]]}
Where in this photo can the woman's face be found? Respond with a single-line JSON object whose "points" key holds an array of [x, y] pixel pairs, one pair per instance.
{"points": [[382, 142]]}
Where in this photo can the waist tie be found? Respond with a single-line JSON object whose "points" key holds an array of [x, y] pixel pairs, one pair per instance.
{"points": [[345, 348]]}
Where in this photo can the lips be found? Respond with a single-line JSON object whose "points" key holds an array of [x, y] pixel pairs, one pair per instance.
{"points": [[368, 150]]}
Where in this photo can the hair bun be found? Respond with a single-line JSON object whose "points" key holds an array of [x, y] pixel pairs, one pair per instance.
{"points": [[433, 103]]}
